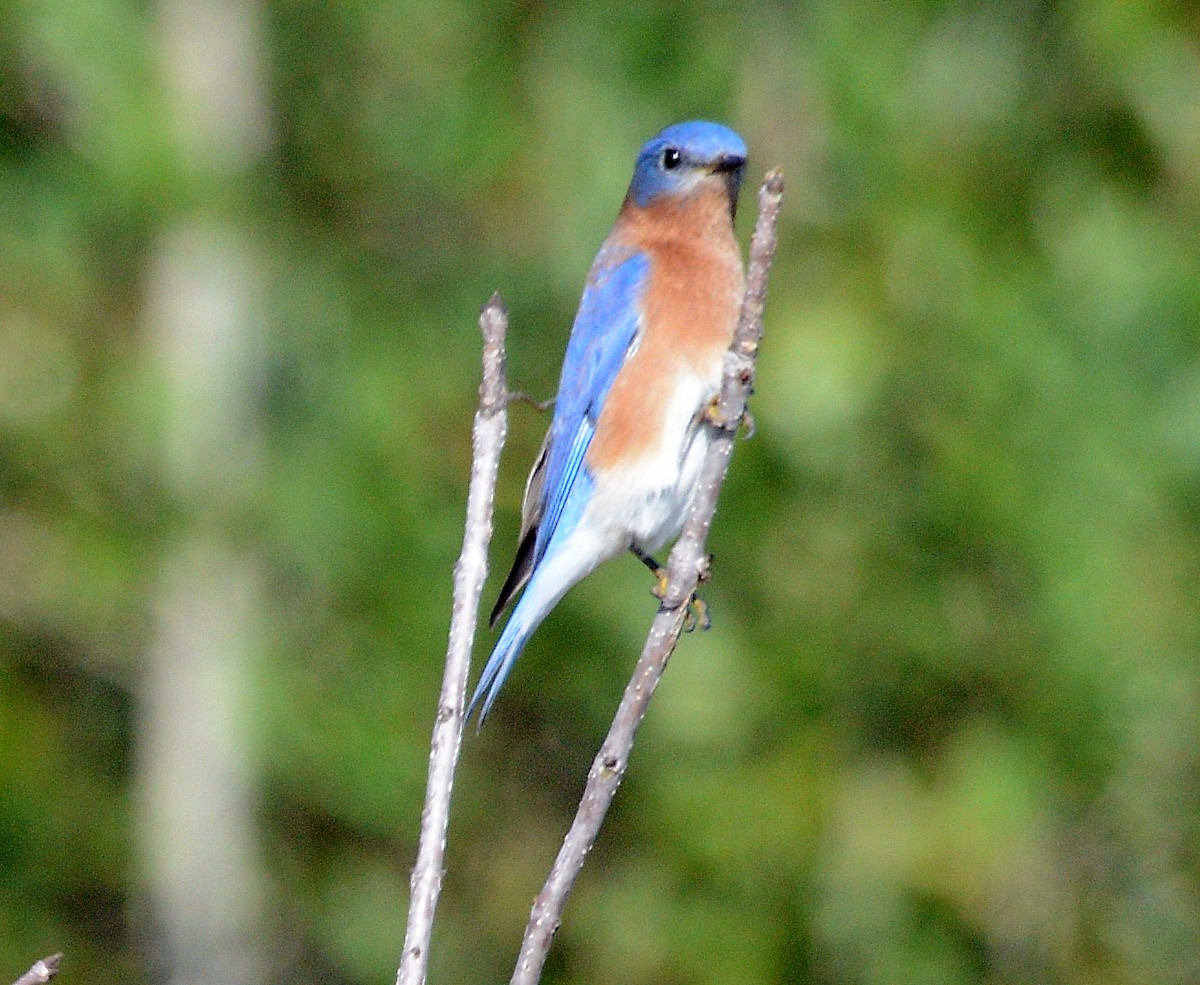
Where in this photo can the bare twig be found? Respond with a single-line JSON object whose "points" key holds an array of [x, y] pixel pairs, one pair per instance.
{"points": [[42, 971], [491, 423], [520, 396], [687, 564]]}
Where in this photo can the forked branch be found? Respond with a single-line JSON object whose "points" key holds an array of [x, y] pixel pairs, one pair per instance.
{"points": [[687, 564]]}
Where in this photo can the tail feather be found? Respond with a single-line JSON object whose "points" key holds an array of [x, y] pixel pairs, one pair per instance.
{"points": [[495, 672], [518, 577], [574, 552]]}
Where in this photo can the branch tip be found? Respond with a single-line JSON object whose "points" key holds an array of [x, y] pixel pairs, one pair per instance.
{"points": [[41, 972]]}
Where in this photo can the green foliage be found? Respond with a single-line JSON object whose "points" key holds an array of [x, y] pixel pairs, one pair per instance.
{"points": [[945, 727]]}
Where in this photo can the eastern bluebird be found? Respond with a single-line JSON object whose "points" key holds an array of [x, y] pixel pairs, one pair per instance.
{"points": [[619, 465]]}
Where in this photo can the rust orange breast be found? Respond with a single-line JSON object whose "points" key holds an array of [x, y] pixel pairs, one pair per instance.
{"points": [[689, 312]]}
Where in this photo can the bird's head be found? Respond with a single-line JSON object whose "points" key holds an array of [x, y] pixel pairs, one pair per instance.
{"points": [[686, 158]]}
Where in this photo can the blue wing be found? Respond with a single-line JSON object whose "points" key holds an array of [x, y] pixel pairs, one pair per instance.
{"points": [[556, 495], [606, 326], [607, 323]]}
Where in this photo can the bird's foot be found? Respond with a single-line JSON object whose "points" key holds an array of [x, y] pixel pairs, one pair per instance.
{"points": [[697, 615], [748, 422], [711, 415], [697, 609], [659, 591]]}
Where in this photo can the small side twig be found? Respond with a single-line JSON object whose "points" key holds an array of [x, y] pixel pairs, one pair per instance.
{"points": [[42, 971], [490, 428], [520, 396], [687, 563]]}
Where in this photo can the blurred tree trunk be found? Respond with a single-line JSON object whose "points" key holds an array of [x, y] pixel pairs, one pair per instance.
{"points": [[196, 779]]}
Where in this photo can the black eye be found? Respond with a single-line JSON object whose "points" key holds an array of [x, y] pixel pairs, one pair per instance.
{"points": [[670, 159]]}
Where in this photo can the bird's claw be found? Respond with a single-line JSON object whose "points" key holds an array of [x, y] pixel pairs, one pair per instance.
{"points": [[659, 591], [697, 609], [697, 616], [748, 422], [712, 415]]}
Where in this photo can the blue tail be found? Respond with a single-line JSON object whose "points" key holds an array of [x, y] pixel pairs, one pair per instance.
{"points": [[573, 553], [512, 641]]}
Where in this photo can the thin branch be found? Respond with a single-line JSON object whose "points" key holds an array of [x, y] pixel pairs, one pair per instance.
{"points": [[688, 563], [42, 971], [491, 424], [520, 396]]}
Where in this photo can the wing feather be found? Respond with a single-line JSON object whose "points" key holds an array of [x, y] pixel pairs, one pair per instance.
{"points": [[605, 329]]}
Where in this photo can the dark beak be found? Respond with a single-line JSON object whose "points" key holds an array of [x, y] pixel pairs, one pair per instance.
{"points": [[729, 162], [731, 167]]}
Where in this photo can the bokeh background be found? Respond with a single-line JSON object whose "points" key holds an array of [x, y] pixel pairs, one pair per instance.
{"points": [[945, 729]]}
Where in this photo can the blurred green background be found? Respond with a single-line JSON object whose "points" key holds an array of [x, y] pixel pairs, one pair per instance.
{"points": [[945, 729]]}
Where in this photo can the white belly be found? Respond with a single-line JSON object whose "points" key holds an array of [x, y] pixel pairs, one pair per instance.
{"points": [[646, 502]]}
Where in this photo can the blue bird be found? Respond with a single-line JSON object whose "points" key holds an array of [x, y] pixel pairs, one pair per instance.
{"points": [[619, 465]]}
